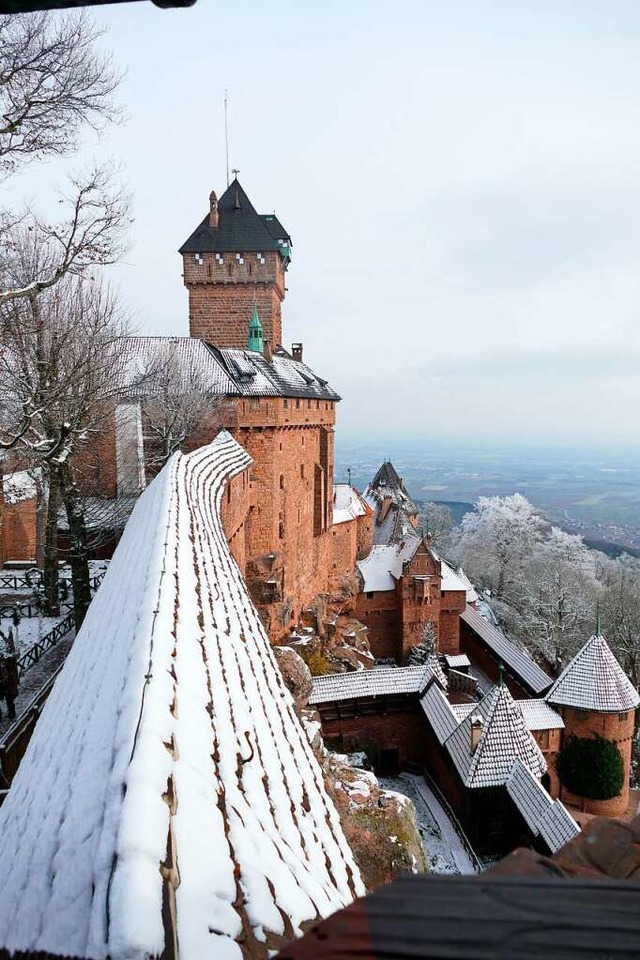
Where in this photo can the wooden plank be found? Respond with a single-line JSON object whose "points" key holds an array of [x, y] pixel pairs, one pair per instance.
{"points": [[460, 918]]}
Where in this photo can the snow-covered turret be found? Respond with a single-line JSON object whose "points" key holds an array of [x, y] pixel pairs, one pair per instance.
{"points": [[169, 795], [596, 699]]}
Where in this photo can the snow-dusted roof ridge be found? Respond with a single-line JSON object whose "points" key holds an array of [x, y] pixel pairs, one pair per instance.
{"points": [[170, 733], [382, 567], [379, 681], [504, 739], [348, 504], [545, 817], [594, 680]]}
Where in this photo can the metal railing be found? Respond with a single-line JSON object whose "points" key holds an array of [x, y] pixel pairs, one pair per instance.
{"points": [[33, 607], [32, 654]]}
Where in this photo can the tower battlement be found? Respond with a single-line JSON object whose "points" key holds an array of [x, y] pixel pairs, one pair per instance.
{"points": [[234, 263]]}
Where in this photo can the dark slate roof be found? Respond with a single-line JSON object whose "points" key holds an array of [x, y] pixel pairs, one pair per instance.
{"points": [[515, 660], [255, 376], [240, 229], [594, 680]]}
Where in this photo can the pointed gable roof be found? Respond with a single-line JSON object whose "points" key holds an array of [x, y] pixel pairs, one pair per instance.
{"points": [[504, 739], [594, 680], [240, 229]]}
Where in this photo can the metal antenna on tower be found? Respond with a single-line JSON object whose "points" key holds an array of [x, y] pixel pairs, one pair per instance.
{"points": [[226, 131]]}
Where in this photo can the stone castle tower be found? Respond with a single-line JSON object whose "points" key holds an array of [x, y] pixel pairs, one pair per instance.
{"points": [[596, 699], [234, 266]]}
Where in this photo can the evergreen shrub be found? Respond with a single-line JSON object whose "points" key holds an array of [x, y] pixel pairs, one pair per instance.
{"points": [[591, 767]]}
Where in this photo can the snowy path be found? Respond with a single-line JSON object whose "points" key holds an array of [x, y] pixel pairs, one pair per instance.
{"points": [[462, 859], [34, 679], [443, 847]]}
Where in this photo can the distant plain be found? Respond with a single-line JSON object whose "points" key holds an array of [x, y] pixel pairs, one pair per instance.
{"points": [[593, 492]]}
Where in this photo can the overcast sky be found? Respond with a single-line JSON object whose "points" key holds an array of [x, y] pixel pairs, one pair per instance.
{"points": [[461, 181]]}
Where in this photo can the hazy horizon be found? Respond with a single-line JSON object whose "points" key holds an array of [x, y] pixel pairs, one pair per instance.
{"points": [[461, 184]]}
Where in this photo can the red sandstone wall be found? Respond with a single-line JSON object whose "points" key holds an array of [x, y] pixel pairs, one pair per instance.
{"points": [[365, 534], [344, 547], [549, 742], [403, 731], [95, 463], [476, 650], [415, 609], [236, 503], [291, 442], [379, 612], [20, 526], [616, 727], [222, 296]]}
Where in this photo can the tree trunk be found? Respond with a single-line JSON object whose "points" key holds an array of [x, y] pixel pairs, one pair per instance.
{"points": [[51, 606], [78, 552]]}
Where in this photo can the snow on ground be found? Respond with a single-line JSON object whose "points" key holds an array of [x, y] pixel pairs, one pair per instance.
{"points": [[28, 631], [443, 848], [22, 485], [170, 737]]}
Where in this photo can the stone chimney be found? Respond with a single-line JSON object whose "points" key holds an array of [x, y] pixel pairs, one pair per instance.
{"points": [[296, 351], [477, 726], [267, 350], [213, 209]]}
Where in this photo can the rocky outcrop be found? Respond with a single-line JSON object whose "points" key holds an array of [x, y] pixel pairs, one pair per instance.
{"points": [[296, 675], [380, 826]]}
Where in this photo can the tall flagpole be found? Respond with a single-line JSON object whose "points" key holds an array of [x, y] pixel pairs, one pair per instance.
{"points": [[226, 132]]}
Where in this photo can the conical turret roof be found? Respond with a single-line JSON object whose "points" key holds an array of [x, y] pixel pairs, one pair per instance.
{"points": [[504, 739], [240, 228], [594, 680]]}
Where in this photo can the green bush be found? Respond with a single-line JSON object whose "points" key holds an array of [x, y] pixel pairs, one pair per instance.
{"points": [[591, 767]]}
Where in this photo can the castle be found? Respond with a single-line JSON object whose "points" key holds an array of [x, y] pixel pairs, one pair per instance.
{"points": [[296, 536]]}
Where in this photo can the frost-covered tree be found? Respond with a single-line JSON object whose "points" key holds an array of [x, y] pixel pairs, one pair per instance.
{"points": [[494, 542], [438, 522], [620, 611], [558, 595], [59, 369], [423, 651]]}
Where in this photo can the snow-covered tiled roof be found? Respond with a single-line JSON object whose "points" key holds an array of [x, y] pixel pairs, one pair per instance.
{"points": [[594, 680], [457, 660], [545, 817], [504, 738], [472, 595], [450, 579], [537, 714], [439, 712], [393, 508], [21, 485], [255, 376], [184, 359], [377, 682], [383, 566], [170, 737], [516, 660], [348, 504]]}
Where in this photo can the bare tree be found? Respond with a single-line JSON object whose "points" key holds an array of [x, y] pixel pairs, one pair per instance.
{"points": [[180, 404], [52, 82], [60, 369]]}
